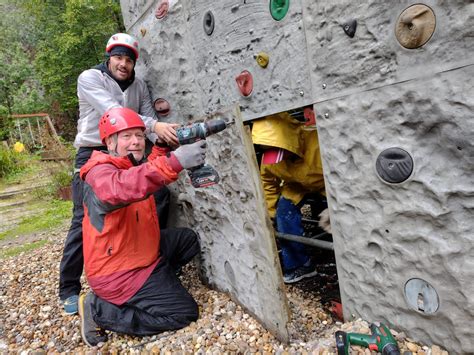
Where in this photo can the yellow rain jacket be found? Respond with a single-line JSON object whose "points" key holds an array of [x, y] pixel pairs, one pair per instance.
{"points": [[294, 176]]}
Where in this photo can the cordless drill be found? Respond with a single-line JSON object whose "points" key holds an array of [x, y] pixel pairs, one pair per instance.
{"points": [[381, 340], [203, 175]]}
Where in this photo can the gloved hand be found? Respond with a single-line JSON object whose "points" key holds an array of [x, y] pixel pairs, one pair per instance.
{"points": [[191, 155]]}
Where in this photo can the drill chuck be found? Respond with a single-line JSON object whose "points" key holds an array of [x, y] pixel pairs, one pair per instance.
{"points": [[390, 349], [198, 131]]}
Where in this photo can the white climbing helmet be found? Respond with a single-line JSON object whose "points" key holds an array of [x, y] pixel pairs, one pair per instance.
{"points": [[122, 39]]}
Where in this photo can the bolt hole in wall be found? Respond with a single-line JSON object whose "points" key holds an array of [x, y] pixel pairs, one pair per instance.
{"points": [[287, 150]]}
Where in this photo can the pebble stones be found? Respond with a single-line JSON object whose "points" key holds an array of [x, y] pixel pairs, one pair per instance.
{"points": [[33, 322]]}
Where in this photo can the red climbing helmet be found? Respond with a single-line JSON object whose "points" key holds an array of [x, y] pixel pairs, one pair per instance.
{"points": [[122, 39], [118, 119]]}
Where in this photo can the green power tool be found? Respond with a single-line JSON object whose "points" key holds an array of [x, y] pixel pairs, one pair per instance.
{"points": [[381, 340]]}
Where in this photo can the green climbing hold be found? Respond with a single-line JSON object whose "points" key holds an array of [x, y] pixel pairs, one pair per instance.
{"points": [[279, 8]]}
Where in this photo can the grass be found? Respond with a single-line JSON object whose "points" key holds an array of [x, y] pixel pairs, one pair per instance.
{"points": [[31, 168], [23, 248], [52, 214]]}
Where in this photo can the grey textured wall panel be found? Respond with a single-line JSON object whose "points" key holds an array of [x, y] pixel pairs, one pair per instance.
{"points": [[374, 57], [238, 246], [241, 31], [376, 95], [167, 58], [196, 72], [133, 10], [386, 234]]}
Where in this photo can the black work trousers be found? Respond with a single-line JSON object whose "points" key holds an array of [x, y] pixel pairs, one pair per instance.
{"points": [[162, 303], [70, 268]]}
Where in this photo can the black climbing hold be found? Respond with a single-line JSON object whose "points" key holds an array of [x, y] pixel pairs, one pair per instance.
{"points": [[394, 165], [350, 28], [208, 23]]}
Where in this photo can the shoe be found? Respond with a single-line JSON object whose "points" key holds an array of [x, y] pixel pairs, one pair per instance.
{"points": [[299, 274], [70, 304], [90, 331]]}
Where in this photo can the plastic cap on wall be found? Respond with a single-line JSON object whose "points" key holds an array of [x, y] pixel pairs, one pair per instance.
{"points": [[162, 107], [208, 23]]}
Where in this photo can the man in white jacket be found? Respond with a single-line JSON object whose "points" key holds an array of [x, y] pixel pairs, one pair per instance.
{"points": [[107, 85]]}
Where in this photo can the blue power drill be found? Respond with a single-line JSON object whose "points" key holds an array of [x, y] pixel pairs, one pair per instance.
{"points": [[203, 175]]}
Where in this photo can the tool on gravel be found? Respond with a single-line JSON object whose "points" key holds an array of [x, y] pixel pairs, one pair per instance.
{"points": [[381, 340]]}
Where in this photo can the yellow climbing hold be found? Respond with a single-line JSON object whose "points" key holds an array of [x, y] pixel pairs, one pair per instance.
{"points": [[262, 59]]}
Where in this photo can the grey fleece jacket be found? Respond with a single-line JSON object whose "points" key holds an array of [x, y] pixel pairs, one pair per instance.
{"points": [[97, 93]]}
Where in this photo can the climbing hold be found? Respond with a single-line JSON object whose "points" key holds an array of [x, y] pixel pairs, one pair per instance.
{"points": [[208, 23], [143, 31], [245, 82], [279, 8], [162, 9], [350, 28], [394, 165], [262, 59], [415, 26], [162, 107], [421, 296]]}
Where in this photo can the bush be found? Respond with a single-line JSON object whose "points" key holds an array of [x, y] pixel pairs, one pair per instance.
{"points": [[11, 162], [62, 178]]}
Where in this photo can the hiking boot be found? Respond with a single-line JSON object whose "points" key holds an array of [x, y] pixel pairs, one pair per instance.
{"points": [[70, 304], [299, 274], [90, 331]]}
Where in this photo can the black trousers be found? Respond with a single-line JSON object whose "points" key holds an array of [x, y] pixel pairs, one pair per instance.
{"points": [[162, 303], [70, 268]]}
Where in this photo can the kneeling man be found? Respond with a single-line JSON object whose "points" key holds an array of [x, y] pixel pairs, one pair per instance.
{"points": [[130, 264]]}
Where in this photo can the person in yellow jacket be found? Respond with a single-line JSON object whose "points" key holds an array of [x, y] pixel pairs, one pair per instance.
{"points": [[291, 168]]}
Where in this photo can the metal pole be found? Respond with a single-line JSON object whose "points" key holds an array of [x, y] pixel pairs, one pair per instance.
{"points": [[308, 241], [39, 132], [31, 132], [19, 130]]}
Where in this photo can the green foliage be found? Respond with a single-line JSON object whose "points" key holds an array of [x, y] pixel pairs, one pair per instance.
{"points": [[52, 214], [11, 162], [45, 46], [62, 178], [71, 38], [19, 90]]}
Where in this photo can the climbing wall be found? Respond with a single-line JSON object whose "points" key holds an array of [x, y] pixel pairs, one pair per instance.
{"points": [[200, 56], [395, 106], [391, 83]]}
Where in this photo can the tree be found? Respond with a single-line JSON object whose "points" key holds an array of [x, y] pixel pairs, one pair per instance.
{"points": [[72, 38], [19, 90]]}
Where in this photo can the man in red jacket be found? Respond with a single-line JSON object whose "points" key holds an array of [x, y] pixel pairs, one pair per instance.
{"points": [[130, 265]]}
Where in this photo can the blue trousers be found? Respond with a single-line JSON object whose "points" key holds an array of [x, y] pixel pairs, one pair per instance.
{"points": [[288, 220]]}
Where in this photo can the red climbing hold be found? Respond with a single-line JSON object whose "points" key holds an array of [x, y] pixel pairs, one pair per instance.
{"points": [[162, 9], [245, 82]]}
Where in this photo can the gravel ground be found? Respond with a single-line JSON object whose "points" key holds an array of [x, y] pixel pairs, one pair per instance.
{"points": [[32, 320]]}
